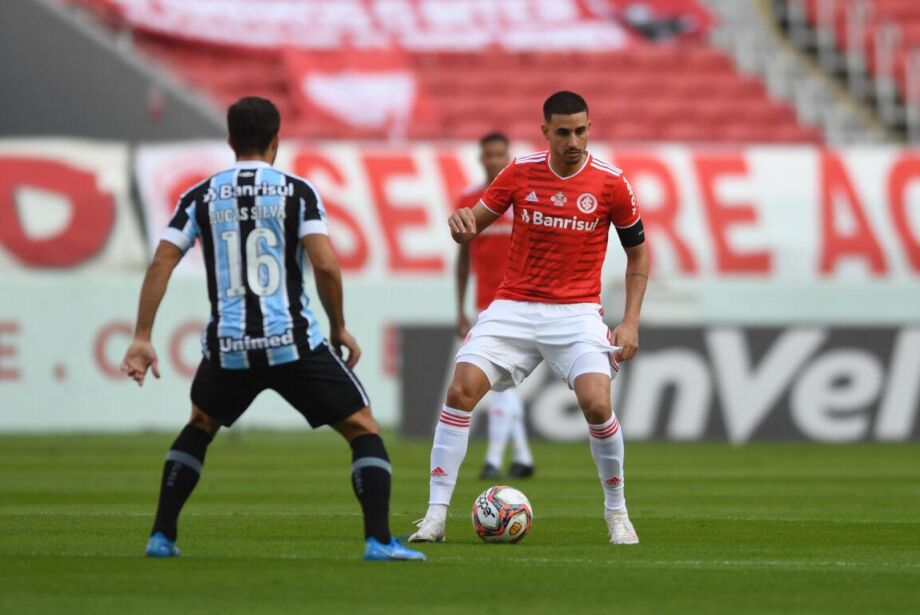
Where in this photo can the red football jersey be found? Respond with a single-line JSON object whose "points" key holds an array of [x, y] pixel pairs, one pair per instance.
{"points": [[561, 224], [489, 251]]}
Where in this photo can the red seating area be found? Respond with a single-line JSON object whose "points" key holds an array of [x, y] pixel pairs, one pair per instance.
{"points": [[902, 15], [679, 91], [639, 94]]}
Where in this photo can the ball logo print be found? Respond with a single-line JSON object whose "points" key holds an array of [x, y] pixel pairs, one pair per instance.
{"points": [[587, 203], [502, 514]]}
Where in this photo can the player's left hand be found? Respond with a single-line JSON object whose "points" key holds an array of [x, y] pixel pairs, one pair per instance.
{"points": [[462, 225], [341, 338], [626, 336], [140, 357]]}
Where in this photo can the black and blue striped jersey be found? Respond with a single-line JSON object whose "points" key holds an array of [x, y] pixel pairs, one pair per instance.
{"points": [[250, 220]]}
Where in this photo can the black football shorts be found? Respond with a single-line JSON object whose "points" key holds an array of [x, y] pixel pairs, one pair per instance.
{"points": [[319, 385]]}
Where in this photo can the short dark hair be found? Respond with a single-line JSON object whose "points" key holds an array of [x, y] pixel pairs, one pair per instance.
{"points": [[492, 137], [252, 123], [564, 103]]}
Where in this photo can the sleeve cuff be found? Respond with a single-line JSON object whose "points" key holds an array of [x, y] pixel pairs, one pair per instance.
{"points": [[313, 227], [483, 203], [177, 238], [630, 225]]}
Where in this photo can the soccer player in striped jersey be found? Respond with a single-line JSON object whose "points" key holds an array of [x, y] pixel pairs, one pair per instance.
{"points": [[488, 255], [548, 306], [257, 227]]}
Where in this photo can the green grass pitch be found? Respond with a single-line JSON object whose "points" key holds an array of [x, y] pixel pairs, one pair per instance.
{"points": [[274, 527]]}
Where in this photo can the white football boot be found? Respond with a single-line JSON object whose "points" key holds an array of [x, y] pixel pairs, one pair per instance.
{"points": [[619, 527], [429, 530]]}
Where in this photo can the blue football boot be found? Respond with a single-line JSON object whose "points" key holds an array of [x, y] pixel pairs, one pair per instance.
{"points": [[376, 551], [161, 546]]}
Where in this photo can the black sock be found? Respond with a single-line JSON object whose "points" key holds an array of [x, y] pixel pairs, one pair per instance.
{"points": [[180, 475], [370, 477]]}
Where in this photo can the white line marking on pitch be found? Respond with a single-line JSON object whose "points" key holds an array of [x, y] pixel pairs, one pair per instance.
{"points": [[748, 564]]}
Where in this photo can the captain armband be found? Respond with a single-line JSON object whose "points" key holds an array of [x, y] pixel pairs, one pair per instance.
{"points": [[633, 235]]}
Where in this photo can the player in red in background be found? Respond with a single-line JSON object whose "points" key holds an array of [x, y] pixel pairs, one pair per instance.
{"points": [[548, 306], [488, 254]]}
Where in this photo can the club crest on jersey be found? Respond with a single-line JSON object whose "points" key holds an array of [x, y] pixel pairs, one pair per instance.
{"points": [[586, 203], [559, 199]]}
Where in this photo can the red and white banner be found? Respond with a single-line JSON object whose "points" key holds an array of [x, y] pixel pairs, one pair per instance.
{"points": [[65, 203], [374, 92], [416, 25], [791, 214]]}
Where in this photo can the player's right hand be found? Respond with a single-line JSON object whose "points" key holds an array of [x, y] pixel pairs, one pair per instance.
{"points": [[140, 357], [463, 326], [341, 338], [462, 225]]}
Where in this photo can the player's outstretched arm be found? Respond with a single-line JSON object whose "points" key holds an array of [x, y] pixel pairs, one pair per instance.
{"points": [[328, 278], [141, 356], [626, 334], [468, 222]]}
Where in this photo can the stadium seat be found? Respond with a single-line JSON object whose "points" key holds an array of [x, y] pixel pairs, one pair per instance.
{"points": [[683, 90]]}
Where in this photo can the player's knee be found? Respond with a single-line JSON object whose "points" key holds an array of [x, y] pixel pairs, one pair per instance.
{"points": [[361, 423], [596, 411], [203, 422], [461, 396]]}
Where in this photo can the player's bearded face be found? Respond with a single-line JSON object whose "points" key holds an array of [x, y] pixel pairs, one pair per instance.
{"points": [[568, 136]]}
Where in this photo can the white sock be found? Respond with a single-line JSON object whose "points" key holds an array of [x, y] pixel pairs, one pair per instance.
{"points": [[450, 441], [501, 417], [607, 450], [522, 454]]}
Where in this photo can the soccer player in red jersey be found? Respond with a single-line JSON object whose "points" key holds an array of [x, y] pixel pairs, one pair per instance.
{"points": [[548, 306], [488, 254]]}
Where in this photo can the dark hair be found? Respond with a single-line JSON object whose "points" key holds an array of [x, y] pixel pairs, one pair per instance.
{"points": [[564, 103], [252, 123], [492, 137]]}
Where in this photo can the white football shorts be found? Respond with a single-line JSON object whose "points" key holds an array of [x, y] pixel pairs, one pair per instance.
{"points": [[510, 338]]}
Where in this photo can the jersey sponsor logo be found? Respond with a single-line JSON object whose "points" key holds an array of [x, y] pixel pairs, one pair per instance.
{"points": [[532, 197], [538, 218], [258, 212], [233, 344], [586, 203], [559, 199], [233, 191]]}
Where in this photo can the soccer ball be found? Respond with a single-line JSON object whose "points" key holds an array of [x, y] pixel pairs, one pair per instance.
{"points": [[502, 514]]}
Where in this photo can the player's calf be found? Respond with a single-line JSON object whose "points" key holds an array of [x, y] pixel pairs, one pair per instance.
{"points": [[181, 472], [371, 476], [606, 441]]}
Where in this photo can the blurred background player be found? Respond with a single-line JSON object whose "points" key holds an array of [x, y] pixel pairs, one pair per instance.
{"points": [[488, 254], [254, 224], [548, 306]]}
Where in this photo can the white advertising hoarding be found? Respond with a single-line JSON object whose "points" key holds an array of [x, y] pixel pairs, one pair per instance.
{"points": [[790, 214], [778, 236], [65, 204]]}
